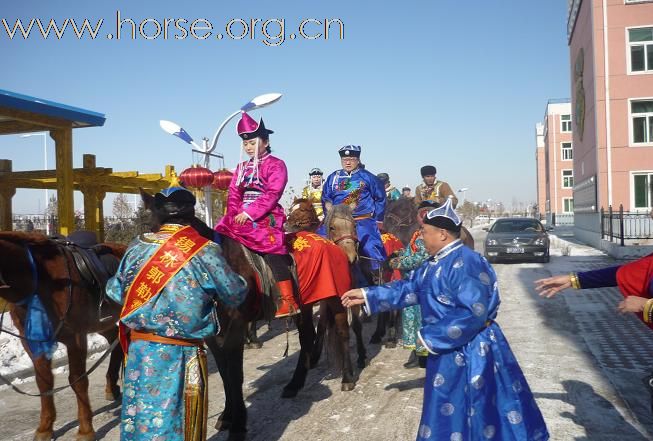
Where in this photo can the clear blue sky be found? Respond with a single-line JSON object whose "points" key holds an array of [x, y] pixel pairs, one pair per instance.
{"points": [[456, 84]]}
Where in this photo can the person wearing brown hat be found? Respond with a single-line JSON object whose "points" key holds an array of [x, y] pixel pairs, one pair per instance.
{"points": [[433, 190]]}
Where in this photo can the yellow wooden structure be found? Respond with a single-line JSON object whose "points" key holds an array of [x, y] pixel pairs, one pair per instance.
{"points": [[24, 114], [94, 183]]}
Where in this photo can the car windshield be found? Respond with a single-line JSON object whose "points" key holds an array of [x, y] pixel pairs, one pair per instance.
{"points": [[516, 226]]}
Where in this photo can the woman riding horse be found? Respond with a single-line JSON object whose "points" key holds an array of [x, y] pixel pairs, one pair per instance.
{"points": [[254, 217]]}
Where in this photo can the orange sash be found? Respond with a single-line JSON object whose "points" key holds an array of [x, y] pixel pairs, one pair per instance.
{"points": [[171, 257]]}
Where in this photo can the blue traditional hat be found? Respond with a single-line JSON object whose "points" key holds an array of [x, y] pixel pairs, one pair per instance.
{"points": [[444, 217], [350, 151], [174, 193]]}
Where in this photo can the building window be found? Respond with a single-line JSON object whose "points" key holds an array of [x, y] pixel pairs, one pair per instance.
{"points": [[641, 114], [568, 205], [567, 153], [567, 178], [565, 123], [640, 43], [643, 191]]}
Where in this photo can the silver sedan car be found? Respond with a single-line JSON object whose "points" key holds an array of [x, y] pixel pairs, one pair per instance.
{"points": [[517, 238]]}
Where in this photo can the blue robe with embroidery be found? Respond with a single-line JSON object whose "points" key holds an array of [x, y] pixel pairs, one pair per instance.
{"points": [[474, 389], [156, 373], [365, 193]]}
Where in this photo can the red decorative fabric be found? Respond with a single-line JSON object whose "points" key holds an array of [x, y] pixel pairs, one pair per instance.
{"points": [[392, 244], [322, 267]]}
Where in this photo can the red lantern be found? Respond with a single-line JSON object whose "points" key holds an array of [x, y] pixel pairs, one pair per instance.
{"points": [[222, 179], [196, 177]]}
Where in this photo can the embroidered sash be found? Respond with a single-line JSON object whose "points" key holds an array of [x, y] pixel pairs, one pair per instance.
{"points": [[171, 257]]}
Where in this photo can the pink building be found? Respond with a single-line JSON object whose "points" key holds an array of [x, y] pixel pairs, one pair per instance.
{"points": [[612, 106], [555, 165]]}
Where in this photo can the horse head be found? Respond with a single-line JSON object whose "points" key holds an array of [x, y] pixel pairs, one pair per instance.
{"points": [[401, 219], [18, 267], [302, 217], [341, 229]]}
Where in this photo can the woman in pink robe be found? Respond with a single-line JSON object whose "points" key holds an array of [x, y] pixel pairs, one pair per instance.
{"points": [[254, 216]]}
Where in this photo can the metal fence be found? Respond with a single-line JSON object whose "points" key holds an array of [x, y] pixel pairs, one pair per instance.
{"points": [[116, 229], [625, 225]]}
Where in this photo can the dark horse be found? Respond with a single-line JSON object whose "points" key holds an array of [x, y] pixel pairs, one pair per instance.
{"points": [[228, 346], [401, 220], [73, 307], [333, 316]]}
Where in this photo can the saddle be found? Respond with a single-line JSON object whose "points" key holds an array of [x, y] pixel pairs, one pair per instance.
{"points": [[95, 262]]}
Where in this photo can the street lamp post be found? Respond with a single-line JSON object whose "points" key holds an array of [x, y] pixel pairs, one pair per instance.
{"points": [[207, 149], [45, 167]]}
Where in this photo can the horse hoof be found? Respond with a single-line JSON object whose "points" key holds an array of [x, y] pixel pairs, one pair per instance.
{"points": [[289, 392], [43, 436], [85, 437], [113, 395], [254, 345], [346, 387], [222, 425]]}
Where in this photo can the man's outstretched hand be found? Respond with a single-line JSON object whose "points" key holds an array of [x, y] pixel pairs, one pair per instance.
{"points": [[352, 297]]}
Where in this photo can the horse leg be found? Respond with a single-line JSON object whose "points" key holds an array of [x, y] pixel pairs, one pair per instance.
{"points": [[381, 320], [252, 338], [391, 342], [304, 322], [357, 327], [342, 334], [45, 382], [228, 354], [318, 345], [111, 389], [77, 351]]}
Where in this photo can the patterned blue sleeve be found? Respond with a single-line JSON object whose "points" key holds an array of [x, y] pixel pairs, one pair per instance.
{"points": [[467, 317], [408, 261], [378, 196], [231, 288], [395, 295]]}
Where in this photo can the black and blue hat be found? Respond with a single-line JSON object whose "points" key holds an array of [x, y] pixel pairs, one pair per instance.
{"points": [[350, 151]]}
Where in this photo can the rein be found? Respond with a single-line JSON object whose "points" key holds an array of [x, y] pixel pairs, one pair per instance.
{"points": [[401, 221], [344, 237]]}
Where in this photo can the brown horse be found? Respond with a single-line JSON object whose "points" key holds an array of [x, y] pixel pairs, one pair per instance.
{"points": [[31, 263], [333, 316]]}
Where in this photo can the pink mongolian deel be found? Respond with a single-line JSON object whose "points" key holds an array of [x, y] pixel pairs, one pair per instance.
{"points": [[196, 177]]}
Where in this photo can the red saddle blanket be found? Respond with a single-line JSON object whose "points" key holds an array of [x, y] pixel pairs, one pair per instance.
{"points": [[322, 267]]}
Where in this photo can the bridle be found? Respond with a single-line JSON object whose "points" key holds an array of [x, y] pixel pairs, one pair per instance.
{"points": [[402, 222]]}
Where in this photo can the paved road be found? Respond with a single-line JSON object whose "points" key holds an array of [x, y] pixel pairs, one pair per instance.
{"points": [[582, 360]]}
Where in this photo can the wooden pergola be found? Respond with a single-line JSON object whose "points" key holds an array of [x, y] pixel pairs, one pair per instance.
{"points": [[25, 114]]}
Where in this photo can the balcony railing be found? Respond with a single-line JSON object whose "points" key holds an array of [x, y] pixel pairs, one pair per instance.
{"points": [[625, 225]]}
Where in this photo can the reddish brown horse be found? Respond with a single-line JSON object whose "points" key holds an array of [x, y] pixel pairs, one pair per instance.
{"points": [[31, 263], [333, 316]]}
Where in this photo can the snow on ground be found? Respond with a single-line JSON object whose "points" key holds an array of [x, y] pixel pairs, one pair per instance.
{"points": [[16, 365]]}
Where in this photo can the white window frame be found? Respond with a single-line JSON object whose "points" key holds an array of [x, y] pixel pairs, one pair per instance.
{"points": [[631, 142], [562, 123], [631, 184], [562, 151], [572, 205], [628, 57], [562, 181]]}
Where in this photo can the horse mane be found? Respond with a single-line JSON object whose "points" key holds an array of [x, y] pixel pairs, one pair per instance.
{"points": [[302, 216], [31, 237]]}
